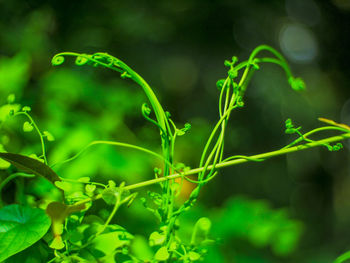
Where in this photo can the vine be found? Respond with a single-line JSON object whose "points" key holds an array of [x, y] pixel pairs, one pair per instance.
{"points": [[169, 247]]}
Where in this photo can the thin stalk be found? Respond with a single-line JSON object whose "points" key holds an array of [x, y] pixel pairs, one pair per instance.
{"points": [[32, 122], [267, 155], [120, 144], [243, 160]]}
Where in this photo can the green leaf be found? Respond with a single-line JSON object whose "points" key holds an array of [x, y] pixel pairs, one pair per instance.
{"points": [[204, 224], [90, 188], [194, 256], [31, 166], [20, 227], [49, 136], [156, 239], [109, 195], [11, 98], [26, 109], [109, 242], [4, 164], [27, 127], [180, 132], [162, 254]]}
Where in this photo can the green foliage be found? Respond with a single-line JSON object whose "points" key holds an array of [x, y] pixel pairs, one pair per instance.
{"points": [[14, 73], [81, 233], [256, 222], [20, 227]]}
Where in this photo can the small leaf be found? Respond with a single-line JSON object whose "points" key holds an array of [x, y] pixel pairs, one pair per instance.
{"points": [[90, 188], [48, 136], [183, 130], [111, 183], [109, 195], [204, 224], [109, 242], [173, 246], [179, 132], [162, 254], [27, 127], [227, 63], [156, 239], [11, 98], [26, 109], [194, 256], [31, 166], [20, 227], [4, 164]]}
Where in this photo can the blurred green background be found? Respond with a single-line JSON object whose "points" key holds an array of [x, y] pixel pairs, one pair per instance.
{"points": [[293, 208]]}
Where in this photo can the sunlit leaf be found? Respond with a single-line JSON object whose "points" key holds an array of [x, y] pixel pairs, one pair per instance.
{"points": [[162, 254], [49, 136], [113, 240], [193, 256], [27, 127], [156, 239], [20, 227]]}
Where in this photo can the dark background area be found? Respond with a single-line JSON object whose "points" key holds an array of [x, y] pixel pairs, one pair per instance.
{"points": [[179, 48]]}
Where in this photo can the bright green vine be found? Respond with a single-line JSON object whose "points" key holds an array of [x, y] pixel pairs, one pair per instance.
{"points": [[169, 247]]}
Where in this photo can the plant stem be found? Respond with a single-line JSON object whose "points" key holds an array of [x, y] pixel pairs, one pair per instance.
{"points": [[261, 156], [243, 160], [37, 130]]}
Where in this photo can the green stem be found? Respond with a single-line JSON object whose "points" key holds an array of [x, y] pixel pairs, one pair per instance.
{"points": [[243, 160], [37, 130], [109, 219], [120, 144], [280, 61], [230, 163]]}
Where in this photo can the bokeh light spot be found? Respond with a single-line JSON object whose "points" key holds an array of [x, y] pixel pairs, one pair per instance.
{"points": [[298, 43]]}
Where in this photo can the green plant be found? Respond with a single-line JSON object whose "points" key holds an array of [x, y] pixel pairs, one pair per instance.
{"points": [[78, 236]]}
